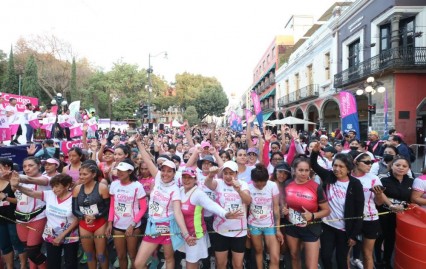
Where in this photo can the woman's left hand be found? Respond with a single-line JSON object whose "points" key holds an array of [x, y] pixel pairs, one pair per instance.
{"points": [[351, 242], [280, 236], [307, 215], [191, 241], [58, 240], [129, 231]]}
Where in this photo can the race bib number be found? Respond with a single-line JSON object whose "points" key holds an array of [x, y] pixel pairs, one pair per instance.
{"points": [[48, 231], [258, 211], [211, 195], [155, 209], [89, 210], [162, 229], [296, 217], [124, 210], [22, 198], [233, 207]]}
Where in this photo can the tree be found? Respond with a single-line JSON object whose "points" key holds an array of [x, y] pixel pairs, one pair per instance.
{"points": [[3, 65], [11, 80], [30, 86], [211, 101], [191, 115], [73, 91]]}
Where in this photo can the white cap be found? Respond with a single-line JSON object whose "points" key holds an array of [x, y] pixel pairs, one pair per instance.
{"points": [[231, 165], [123, 166], [169, 164]]}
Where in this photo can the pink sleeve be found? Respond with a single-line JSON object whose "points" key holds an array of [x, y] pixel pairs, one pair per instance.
{"points": [[291, 152], [142, 210], [111, 209], [266, 153]]}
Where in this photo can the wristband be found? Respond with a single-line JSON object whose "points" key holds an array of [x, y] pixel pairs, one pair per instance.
{"points": [[313, 216]]}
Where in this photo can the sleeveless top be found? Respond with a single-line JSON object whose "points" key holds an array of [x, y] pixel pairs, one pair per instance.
{"points": [[7, 209], [75, 174], [92, 203], [193, 216]]}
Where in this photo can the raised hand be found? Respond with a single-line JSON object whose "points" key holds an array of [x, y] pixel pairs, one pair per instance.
{"points": [[268, 135], [213, 171], [31, 149], [294, 134]]}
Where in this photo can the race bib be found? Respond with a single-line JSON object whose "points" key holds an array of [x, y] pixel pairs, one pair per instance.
{"points": [[89, 210], [258, 211], [162, 229], [4, 203], [155, 209], [229, 207], [48, 231], [296, 217], [211, 195], [22, 198], [124, 210]]}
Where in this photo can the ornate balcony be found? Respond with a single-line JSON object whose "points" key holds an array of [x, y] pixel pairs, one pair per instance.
{"points": [[300, 95], [397, 58]]}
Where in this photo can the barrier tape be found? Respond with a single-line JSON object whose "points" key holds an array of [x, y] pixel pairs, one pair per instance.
{"points": [[210, 232]]}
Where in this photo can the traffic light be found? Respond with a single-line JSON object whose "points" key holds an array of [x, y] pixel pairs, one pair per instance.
{"points": [[372, 109]]}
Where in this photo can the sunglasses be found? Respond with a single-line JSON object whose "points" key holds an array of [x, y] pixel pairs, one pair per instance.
{"points": [[367, 162]]}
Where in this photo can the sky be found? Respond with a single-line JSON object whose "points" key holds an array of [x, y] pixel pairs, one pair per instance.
{"points": [[222, 38]]}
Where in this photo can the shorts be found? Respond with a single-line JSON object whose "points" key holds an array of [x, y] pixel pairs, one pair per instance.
{"points": [[97, 223], [262, 230], [160, 239], [224, 243], [303, 233], [124, 231], [371, 229]]}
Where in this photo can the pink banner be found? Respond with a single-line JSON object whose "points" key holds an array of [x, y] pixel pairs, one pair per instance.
{"points": [[76, 131], [256, 102], [54, 110], [35, 123], [4, 134], [13, 128], [67, 145], [21, 101], [347, 104], [248, 114]]}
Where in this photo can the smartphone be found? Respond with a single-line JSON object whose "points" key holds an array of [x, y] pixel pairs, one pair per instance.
{"points": [[381, 187]]}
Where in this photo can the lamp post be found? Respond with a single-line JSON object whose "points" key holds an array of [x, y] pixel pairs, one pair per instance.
{"points": [[150, 70], [370, 87], [60, 101]]}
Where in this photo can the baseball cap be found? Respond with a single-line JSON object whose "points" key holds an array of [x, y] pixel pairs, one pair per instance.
{"points": [[206, 158], [283, 166], [52, 161], [190, 172], [337, 143], [108, 149], [123, 166], [329, 149], [231, 165], [169, 164], [253, 150], [205, 144]]}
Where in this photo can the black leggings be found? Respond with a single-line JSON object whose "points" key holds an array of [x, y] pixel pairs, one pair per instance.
{"points": [[54, 256], [388, 225], [334, 239]]}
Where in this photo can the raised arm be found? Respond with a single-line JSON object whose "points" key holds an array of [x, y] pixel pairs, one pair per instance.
{"points": [[209, 182], [323, 173], [265, 151], [146, 157]]}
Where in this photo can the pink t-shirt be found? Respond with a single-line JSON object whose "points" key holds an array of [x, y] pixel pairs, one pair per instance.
{"points": [[262, 205], [126, 203], [162, 197], [420, 186], [230, 200]]}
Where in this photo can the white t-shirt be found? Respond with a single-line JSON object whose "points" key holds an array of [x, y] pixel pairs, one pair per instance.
{"points": [[26, 204], [59, 217], [230, 200], [211, 194], [14, 118], [336, 194], [126, 203], [162, 197], [261, 213], [368, 181], [419, 184], [246, 175]]}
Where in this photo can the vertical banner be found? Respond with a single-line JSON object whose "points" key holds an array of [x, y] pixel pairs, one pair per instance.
{"points": [[74, 107], [349, 112], [257, 108]]}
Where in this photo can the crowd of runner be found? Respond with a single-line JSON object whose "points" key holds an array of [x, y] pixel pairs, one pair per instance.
{"points": [[206, 193]]}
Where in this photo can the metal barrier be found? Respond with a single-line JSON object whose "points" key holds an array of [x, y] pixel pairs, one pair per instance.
{"points": [[420, 153]]}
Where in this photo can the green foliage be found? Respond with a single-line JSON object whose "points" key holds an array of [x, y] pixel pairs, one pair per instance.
{"points": [[191, 115], [11, 80], [211, 101], [124, 108], [3, 65], [30, 86], [73, 90]]}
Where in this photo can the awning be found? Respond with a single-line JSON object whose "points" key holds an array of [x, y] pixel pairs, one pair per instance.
{"points": [[271, 93], [267, 115]]}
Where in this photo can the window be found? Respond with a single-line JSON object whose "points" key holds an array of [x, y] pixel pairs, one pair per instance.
{"points": [[310, 77], [287, 87], [354, 49], [327, 65], [406, 36], [385, 37]]}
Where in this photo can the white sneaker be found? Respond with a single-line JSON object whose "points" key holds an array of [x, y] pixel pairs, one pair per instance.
{"points": [[357, 263]]}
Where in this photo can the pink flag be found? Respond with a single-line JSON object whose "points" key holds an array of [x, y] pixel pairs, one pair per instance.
{"points": [[76, 131], [256, 103], [35, 123], [248, 114], [13, 128]]}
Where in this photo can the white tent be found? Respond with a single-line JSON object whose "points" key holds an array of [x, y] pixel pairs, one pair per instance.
{"points": [[288, 121], [175, 123]]}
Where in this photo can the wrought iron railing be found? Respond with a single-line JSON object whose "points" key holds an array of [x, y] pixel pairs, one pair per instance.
{"points": [[309, 92], [403, 57]]}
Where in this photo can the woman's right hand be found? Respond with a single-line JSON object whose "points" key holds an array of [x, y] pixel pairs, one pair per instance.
{"points": [[284, 210], [317, 147], [108, 229]]}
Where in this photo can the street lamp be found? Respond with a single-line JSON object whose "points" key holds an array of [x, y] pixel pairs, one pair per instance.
{"points": [[59, 100], [150, 70], [370, 87]]}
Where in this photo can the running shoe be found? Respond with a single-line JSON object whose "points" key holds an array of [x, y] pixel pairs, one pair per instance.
{"points": [[83, 259], [357, 263]]}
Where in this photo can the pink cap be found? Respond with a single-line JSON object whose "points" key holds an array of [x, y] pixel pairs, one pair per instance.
{"points": [[189, 171], [205, 144], [53, 161]]}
